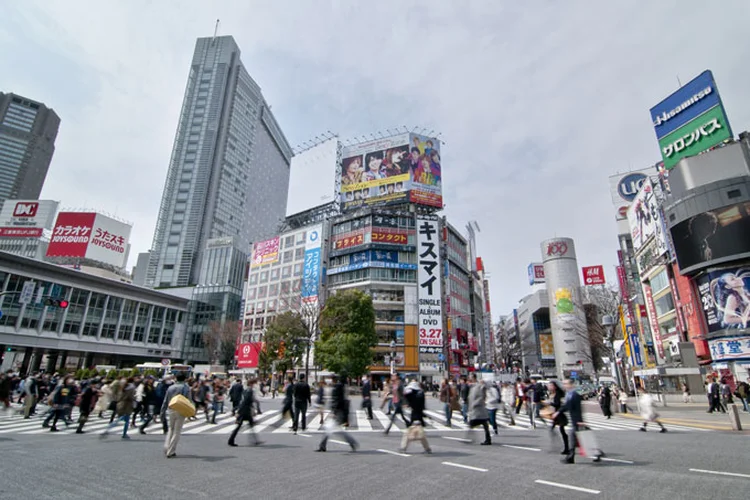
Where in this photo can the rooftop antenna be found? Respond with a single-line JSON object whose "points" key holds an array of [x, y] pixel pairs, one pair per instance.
{"points": [[216, 29], [678, 80]]}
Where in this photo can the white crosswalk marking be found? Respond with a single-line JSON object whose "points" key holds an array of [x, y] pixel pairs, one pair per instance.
{"points": [[272, 421]]}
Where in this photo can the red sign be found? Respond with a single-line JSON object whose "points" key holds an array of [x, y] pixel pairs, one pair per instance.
{"points": [[247, 354], [557, 248], [391, 236], [349, 240], [21, 232], [653, 320], [70, 237], [25, 209], [593, 275]]}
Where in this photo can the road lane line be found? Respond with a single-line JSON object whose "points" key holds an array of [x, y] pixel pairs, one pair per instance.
{"points": [[478, 469], [567, 487], [520, 447], [463, 440], [605, 459], [720, 473], [393, 453]]}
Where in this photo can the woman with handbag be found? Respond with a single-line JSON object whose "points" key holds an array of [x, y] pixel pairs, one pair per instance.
{"points": [[556, 395]]}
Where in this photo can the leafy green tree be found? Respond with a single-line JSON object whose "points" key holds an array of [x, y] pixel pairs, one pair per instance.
{"points": [[347, 326], [285, 340]]}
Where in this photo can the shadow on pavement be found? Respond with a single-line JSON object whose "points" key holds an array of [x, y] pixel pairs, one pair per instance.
{"points": [[205, 459]]}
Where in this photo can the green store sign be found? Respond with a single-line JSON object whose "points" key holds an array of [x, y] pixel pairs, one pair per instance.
{"points": [[696, 136]]}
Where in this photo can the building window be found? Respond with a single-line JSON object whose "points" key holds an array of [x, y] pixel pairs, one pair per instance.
{"points": [[298, 269], [659, 282], [264, 276], [288, 256], [664, 304]]}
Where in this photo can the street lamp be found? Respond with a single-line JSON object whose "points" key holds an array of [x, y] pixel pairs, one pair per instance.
{"points": [[393, 357], [609, 323]]}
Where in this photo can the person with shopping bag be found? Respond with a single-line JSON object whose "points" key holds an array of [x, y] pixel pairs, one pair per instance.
{"points": [[414, 396], [648, 412], [177, 414], [340, 410], [573, 407]]}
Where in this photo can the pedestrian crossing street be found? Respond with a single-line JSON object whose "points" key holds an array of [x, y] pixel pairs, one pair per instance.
{"points": [[271, 421]]}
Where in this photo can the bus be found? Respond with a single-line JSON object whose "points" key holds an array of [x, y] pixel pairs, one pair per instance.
{"points": [[164, 370]]}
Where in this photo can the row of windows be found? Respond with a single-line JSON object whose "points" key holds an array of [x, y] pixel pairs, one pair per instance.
{"points": [[374, 274], [391, 221]]}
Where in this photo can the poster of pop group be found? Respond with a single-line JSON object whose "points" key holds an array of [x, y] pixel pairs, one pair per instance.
{"points": [[395, 170]]}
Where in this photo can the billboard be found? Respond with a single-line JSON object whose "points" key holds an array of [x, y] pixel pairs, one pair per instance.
{"points": [[646, 219], [426, 171], [311, 271], [398, 169], [372, 258], [691, 120], [430, 322], [624, 187], [725, 297], [90, 235], [265, 252], [389, 236], [248, 354], [536, 273], [348, 240], [709, 236], [546, 346], [593, 275], [653, 320], [26, 218]]}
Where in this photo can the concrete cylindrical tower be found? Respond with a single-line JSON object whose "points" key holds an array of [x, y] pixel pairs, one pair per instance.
{"points": [[567, 316]]}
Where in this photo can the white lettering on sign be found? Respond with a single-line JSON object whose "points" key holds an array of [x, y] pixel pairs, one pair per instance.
{"points": [[689, 139], [25, 209], [430, 322], [668, 115]]}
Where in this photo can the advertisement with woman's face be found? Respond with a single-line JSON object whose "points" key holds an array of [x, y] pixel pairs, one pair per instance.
{"points": [[712, 235], [725, 297]]}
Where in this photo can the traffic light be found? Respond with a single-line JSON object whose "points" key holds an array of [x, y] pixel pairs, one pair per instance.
{"points": [[282, 349], [52, 302]]}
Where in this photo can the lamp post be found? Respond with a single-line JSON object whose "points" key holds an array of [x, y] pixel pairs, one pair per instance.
{"points": [[393, 357]]}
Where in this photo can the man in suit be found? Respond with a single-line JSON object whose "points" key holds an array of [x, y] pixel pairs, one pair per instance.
{"points": [[572, 406], [367, 396], [235, 395], [245, 414], [301, 401]]}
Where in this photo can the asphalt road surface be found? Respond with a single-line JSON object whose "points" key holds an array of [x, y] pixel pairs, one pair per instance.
{"points": [[522, 462]]}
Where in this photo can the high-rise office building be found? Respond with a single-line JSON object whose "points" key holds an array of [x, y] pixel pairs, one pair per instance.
{"points": [[229, 171], [27, 141]]}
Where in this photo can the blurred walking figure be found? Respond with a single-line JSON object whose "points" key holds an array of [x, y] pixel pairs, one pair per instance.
{"points": [[340, 410], [235, 395], [31, 390], [86, 404], [477, 413], [713, 390], [414, 396], [124, 408], [686, 397], [320, 399], [367, 396], [288, 405], [397, 394], [492, 403], [557, 394], [623, 398], [572, 406], [105, 397], [508, 398], [245, 414], [605, 401], [448, 398], [648, 412]]}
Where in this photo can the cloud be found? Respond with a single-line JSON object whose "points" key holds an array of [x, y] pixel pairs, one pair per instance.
{"points": [[538, 104]]}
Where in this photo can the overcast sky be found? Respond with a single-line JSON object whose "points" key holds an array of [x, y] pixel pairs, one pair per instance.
{"points": [[538, 102]]}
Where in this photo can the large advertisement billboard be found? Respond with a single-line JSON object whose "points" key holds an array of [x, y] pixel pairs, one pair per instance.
{"points": [[624, 187], [725, 297], [430, 291], [536, 273], [398, 169], [248, 354], [712, 235], [26, 218], [593, 275], [311, 271], [90, 235], [265, 252], [691, 120], [645, 218]]}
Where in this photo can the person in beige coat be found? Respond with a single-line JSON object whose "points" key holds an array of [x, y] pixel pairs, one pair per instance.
{"points": [[105, 397]]}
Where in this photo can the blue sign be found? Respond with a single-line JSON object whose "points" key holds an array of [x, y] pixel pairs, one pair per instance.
{"points": [[372, 258], [691, 100], [629, 185], [574, 375], [635, 349], [441, 357], [1, 314], [311, 273]]}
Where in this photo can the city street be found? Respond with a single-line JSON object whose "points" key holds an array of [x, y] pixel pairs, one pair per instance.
{"points": [[683, 463]]}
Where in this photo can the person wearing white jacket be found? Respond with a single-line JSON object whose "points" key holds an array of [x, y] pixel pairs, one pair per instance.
{"points": [[648, 412], [508, 398], [492, 403]]}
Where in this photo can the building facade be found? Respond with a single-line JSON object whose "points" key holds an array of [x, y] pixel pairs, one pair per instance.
{"points": [[459, 302], [106, 322], [28, 130], [229, 171]]}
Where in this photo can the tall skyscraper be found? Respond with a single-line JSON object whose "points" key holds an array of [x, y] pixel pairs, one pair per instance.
{"points": [[27, 141], [229, 171]]}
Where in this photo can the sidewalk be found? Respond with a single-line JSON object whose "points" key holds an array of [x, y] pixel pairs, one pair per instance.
{"points": [[691, 415]]}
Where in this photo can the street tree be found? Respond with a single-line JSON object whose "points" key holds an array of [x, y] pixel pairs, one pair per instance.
{"points": [[220, 340], [285, 340], [347, 326]]}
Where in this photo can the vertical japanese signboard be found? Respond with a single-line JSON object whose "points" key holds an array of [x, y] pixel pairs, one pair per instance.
{"points": [[653, 320], [430, 292], [311, 272]]}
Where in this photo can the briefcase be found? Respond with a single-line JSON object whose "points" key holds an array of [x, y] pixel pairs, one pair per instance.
{"points": [[182, 405], [588, 444]]}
